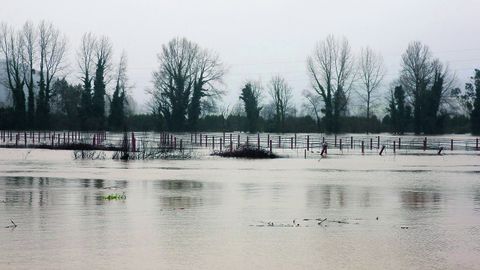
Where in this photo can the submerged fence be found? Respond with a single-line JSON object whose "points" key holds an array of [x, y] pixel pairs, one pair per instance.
{"points": [[289, 144]]}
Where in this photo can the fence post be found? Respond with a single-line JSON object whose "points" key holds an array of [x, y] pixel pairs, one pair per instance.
{"points": [[371, 143], [451, 145], [213, 142], [425, 144], [363, 147], [378, 142], [279, 141], [258, 141], [295, 140], [351, 142], [291, 143], [238, 140], [340, 144], [134, 144], [308, 142], [221, 144], [270, 146], [181, 144], [399, 143], [476, 144], [381, 151], [335, 145], [394, 146]]}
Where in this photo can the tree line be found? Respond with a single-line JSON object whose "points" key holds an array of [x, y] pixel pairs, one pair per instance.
{"points": [[187, 90], [34, 65]]}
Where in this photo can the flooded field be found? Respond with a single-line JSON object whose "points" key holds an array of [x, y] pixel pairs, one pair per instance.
{"points": [[343, 211]]}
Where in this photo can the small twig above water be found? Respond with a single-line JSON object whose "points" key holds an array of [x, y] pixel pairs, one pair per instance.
{"points": [[11, 226]]}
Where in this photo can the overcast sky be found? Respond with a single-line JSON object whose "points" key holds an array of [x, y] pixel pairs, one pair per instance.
{"points": [[260, 38]]}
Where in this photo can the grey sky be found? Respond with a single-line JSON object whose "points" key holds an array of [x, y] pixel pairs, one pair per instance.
{"points": [[260, 38]]}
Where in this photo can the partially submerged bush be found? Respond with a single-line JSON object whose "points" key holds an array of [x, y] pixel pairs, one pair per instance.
{"points": [[89, 154], [246, 151], [115, 196], [151, 154]]}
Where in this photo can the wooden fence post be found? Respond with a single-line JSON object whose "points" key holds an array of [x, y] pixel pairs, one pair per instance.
{"points": [[308, 142]]}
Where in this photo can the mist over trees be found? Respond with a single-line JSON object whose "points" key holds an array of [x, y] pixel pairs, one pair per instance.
{"points": [[347, 89]]}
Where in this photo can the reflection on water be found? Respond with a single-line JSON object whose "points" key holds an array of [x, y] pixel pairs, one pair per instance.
{"points": [[421, 199], [205, 217]]}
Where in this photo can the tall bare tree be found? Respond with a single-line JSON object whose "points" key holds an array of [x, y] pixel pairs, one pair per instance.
{"points": [[29, 40], [427, 82], [187, 73], [313, 105], [208, 72], [86, 64], [52, 46], [331, 70], [371, 73], [281, 94], [11, 46], [117, 106], [103, 55]]}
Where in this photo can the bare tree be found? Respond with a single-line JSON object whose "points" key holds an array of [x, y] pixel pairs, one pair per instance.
{"points": [[53, 46], [86, 64], [371, 73], [29, 40], [186, 74], [208, 73], [118, 102], [313, 105], [103, 55], [85, 60], [427, 82], [281, 94], [331, 70], [11, 46]]}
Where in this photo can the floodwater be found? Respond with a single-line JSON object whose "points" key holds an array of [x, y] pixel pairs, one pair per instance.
{"points": [[213, 213]]}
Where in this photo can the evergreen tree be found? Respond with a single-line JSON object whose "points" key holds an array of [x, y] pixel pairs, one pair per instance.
{"points": [[475, 114], [103, 54], [250, 96]]}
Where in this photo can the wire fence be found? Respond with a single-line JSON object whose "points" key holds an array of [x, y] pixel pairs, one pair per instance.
{"points": [[290, 144]]}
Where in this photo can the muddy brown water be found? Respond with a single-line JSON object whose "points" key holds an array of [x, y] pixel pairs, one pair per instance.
{"points": [[213, 213]]}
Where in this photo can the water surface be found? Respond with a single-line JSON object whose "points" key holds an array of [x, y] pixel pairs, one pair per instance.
{"points": [[213, 213]]}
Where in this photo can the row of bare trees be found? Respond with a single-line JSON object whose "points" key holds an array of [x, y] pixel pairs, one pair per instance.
{"points": [[188, 83], [335, 71], [33, 56]]}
